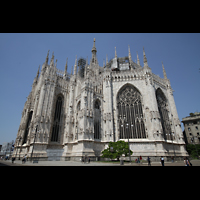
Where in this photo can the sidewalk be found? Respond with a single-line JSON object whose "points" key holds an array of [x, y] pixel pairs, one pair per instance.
{"points": [[76, 163], [55, 163]]}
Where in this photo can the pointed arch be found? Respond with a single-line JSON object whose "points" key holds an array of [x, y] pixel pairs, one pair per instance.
{"points": [[130, 113], [57, 125], [163, 110], [27, 126], [97, 119]]}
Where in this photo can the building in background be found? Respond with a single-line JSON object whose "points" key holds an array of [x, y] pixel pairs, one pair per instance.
{"points": [[192, 128], [67, 116], [7, 149]]}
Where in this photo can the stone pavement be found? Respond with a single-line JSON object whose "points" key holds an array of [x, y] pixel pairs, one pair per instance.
{"points": [[76, 163]]}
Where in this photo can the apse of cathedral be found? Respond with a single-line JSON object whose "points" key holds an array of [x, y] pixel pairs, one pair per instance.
{"points": [[67, 116]]}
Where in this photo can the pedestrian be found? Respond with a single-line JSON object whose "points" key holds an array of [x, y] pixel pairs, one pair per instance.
{"points": [[187, 162], [138, 159], [89, 160], [149, 161], [23, 159], [172, 159], [162, 160], [13, 159]]}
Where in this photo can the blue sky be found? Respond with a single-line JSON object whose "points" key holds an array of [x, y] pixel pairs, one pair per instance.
{"points": [[22, 53]]}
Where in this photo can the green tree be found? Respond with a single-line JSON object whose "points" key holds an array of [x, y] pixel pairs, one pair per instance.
{"points": [[192, 150], [116, 149]]}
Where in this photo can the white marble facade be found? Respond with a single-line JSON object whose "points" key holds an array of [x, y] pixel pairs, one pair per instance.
{"points": [[69, 116]]}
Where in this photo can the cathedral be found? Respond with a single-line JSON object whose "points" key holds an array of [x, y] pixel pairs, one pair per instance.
{"points": [[67, 116]]}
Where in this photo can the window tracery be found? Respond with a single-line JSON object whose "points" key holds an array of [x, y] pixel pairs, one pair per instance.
{"points": [[130, 114], [163, 110], [97, 120], [57, 121]]}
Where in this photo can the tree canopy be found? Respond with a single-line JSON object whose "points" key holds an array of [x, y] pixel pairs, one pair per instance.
{"points": [[116, 150]]}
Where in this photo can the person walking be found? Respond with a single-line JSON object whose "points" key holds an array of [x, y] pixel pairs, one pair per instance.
{"points": [[187, 162], [13, 159], [89, 160], [162, 161], [149, 161]]}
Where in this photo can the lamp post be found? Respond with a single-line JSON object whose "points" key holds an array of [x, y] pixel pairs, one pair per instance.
{"points": [[128, 143]]}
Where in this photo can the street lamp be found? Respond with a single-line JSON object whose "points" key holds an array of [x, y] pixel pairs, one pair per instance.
{"points": [[128, 143]]}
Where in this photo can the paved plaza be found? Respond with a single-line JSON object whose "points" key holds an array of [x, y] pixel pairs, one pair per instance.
{"points": [[76, 163]]}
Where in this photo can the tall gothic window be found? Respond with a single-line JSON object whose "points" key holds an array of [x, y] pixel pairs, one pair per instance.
{"points": [[57, 121], [130, 115], [162, 107], [97, 120], [27, 127]]}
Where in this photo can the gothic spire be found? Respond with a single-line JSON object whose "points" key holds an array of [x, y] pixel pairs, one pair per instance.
{"points": [[56, 63], [129, 53], [138, 61], [94, 51], [52, 60], [72, 70], [86, 66], [106, 59], [164, 72], [47, 58], [66, 67], [144, 58], [38, 72], [115, 53], [75, 66]]}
